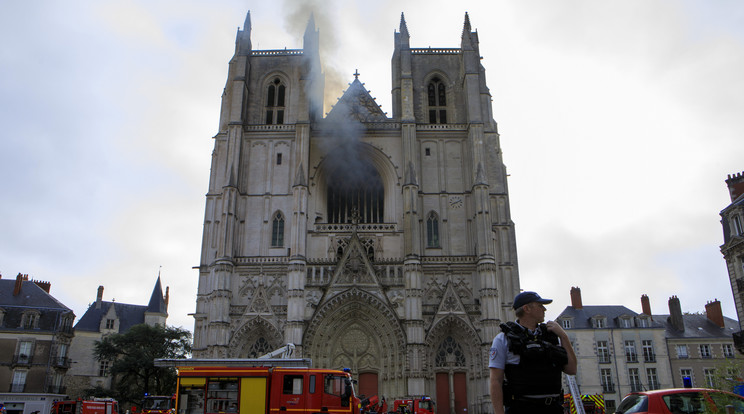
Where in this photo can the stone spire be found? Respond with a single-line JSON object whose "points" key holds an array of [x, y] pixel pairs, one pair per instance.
{"points": [[467, 40], [403, 26], [243, 41]]}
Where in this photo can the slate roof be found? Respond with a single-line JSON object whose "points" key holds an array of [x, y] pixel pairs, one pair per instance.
{"points": [[128, 315], [699, 326], [582, 318], [157, 304], [31, 296]]}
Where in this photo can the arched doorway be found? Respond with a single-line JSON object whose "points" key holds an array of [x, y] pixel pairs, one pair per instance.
{"points": [[255, 338], [458, 365], [356, 329]]}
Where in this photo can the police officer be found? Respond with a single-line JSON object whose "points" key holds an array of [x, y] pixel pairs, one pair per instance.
{"points": [[526, 361]]}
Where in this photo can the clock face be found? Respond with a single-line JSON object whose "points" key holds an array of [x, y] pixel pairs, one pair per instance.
{"points": [[455, 201]]}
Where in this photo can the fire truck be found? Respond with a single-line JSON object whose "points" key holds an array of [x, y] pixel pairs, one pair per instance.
{"points": [[80, 406], [157, 404], [260, 386], [422, 405], [593, 404], [374, 405]]}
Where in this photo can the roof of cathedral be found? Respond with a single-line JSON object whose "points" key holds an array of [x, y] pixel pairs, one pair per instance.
{"points": [[356, 103]]}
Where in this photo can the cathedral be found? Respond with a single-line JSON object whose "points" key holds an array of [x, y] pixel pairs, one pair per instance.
{"points": [[381, 244]]}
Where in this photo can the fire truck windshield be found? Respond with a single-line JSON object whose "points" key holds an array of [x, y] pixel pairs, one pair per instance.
{"points": [[156, 403]]}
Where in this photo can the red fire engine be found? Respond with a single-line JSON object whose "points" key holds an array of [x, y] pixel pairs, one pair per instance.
{"points": [[261, 386], [157, 404], [80, 406], [422, 405]]}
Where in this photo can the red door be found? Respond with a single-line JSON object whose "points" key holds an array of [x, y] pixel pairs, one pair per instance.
{"points": [[443, 405], [368, 384], [461, 393]]}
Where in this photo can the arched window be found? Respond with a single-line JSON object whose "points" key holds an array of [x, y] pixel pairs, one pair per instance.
{"points": [[432, 230], [355, 189], [277, 230], [449, 354], [275, 102], [259, 348], [437, 94]]}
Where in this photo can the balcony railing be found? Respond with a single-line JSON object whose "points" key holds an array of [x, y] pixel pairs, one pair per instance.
{"points": [[631, 358], [22, 359], [57, 389], [604, 359], [61, 362], [17, 387], [608, 388], [635, 387], [649, 358]]}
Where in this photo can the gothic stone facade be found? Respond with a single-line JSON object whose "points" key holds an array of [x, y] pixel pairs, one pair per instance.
{"points": [[382, 244], [732, 220]]}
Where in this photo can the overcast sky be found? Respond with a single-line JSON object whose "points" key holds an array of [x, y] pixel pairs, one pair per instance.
{"points": [[619, 121]]}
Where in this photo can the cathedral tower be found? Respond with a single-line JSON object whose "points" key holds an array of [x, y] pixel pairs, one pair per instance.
{"points": [[382, 244]]}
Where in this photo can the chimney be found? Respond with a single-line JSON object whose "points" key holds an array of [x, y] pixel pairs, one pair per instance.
{"points": [[99, 299], [576, 298], [735, 185], [714, 313], [675, 314], [19, 283], [645, 305], [46, 286]]}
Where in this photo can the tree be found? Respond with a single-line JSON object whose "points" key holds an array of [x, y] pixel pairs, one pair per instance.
{"points": [[727, 374], [132, 356]]}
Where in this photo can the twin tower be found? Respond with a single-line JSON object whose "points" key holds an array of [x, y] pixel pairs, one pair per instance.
{"points": [[381, 244]]}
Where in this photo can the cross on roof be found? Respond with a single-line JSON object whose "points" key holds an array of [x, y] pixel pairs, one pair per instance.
{"points": [[356, 73]]}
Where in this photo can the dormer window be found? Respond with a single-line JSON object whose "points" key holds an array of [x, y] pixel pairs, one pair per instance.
{"points": [[626, 322], [736, 223], [599, 322], [30, 320], [565, 323], [275, 102], [437, 94]]}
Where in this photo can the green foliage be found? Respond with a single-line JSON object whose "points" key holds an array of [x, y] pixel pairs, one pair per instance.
{"points": [[132, 356], [728, 374]]}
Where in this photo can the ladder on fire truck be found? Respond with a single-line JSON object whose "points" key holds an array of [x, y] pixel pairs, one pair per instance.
{"points": [[284, 352], [575, 394], [278, 358]]}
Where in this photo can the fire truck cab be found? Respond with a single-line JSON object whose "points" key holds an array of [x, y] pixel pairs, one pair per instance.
{"points": [[80, 406], [158, 404], [422, 405], [255, 386]]}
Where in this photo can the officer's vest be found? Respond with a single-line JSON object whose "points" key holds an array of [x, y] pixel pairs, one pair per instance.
{"points": [[541, 361]]}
